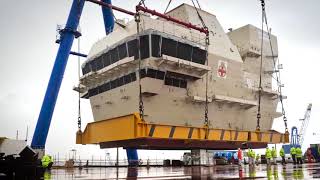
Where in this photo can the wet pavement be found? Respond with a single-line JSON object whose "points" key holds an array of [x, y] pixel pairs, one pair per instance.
{"points": [[305, 171]]}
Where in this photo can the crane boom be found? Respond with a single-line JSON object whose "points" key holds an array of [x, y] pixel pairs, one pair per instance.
{"points": [[67, 36], [304, 124]]}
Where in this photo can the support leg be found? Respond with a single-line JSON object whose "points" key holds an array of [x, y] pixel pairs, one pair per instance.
{"points": [[132, 156]]}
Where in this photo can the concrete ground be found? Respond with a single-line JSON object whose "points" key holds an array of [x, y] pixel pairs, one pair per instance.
{"points": [[305, 171]]}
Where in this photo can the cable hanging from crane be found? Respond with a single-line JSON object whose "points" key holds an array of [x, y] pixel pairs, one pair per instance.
{"points": [[79, 94], [260, 74], [206, 118], [141, 105], [142, 3], [79, 75], [206, 111], [199, 16], [277, 78], [277, 75], [198, 4], [165, 11]]}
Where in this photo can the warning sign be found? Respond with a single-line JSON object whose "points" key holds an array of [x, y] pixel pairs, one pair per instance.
{"points": [[222, 69]]}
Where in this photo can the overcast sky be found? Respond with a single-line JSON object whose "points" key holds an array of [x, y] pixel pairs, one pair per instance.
{"points": [[28, 50]]}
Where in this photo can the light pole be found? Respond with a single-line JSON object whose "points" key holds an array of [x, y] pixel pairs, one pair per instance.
{"points": [[74, 154]]}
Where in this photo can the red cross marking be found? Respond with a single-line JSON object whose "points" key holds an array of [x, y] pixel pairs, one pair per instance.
{"points": [[222, 71]]}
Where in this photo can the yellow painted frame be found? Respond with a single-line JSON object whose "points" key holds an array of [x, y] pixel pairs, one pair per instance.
{"points": [[131, 127]]}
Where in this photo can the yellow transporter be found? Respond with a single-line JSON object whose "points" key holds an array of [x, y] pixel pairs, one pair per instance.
{"points": [[174, 76], [131, 132]]}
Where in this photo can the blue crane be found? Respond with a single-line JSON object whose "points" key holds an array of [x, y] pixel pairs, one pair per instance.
{"points": [[297, 135], [67, 36]]}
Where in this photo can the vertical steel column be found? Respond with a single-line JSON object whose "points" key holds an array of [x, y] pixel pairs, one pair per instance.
{"points": [[67, 37], [132, 155], [108, 18]]}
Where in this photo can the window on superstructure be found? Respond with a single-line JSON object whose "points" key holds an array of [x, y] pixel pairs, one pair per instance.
{"points": [[183, 84], [126, 79], [176, 80], [168, 81], [120, 81], [143, 73], [99, 62], [114, 84], [106, 59], [198, 55], [180, 76], [180, 83], [86, 69], [155, 43], [160, 75], [152, 73], [93, 65], [177, 49], [106, 86], [144, 46], [93, 92], [127, 49], [133, 76], [169, 47], [114, 55], [133, 48], [122, 50], [184, 51]]}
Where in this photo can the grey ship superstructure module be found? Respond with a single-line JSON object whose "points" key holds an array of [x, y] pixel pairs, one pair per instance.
{"points": [[169, 62]]}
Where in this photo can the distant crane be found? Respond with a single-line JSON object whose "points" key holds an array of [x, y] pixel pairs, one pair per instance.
{"points": [[297, 136], [305, 123]]}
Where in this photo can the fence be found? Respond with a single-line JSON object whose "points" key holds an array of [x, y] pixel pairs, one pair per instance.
{"points": [[104, 162]]}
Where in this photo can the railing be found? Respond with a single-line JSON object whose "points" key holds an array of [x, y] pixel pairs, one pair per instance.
{"points": [[101, 162], [175, 30]]}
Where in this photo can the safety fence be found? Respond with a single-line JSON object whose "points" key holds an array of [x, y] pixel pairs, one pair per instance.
{"points": [[103, 162]]}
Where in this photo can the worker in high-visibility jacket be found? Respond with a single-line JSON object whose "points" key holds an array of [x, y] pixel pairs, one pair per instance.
{"points": [[274, 155], [299, 155], [268, 156], [257, 158], [253, 155], [298, 174], [282, 155], [47, 161], [252, 172], [293, 154], [47, 175], [250, 156]]}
